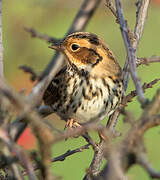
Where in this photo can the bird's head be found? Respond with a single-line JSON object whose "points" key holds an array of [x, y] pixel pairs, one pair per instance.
{"points": [[86, 51]]}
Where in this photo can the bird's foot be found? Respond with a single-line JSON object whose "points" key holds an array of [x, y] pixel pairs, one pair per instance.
{"points": [[71, 124]]}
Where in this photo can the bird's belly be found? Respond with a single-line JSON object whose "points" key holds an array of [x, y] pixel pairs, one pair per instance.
{"points": [[93, 110], [86, 102]]}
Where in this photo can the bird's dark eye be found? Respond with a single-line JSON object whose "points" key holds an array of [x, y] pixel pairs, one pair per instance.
{"points": [[75, 47]]}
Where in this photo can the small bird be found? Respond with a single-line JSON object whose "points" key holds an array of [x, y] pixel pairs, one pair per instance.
{"points": [[90, 86]]}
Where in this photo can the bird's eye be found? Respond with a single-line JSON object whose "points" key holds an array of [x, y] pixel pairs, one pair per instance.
{"points": [[75, 47]]}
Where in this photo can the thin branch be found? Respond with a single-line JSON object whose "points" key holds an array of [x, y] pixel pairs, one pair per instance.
{"points": [[45, 37], [130, 54], [122, 156], [112, 8], [63, 156], [147, 61], [45, 139], [132, 94], [113, 119], [20, 154], [139, 23], [78, 131], [141, 16], [98, 155], [95, 165], [30, 71], [69, 153], [90, 141], [144, 162], [8, 152], [106, 134], [148, 119]]}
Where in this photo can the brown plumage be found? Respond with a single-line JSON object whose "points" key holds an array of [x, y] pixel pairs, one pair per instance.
{"points": [[89, 87]]}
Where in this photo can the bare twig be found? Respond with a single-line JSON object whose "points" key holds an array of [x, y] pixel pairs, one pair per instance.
{"points": [[144, 162], [112, 8], [63, 156], [113, 119], [148, 119], [141, 15], [78, 131], [128, 152], [94, 167], [45, 37], [106, 134], [24, 160], [132, 94], [139, 24], [45, 139], [69, 153], [29, 70], [147, 61], [90, 141], [118, 156], [8, 151], [111, 124], [130, 54]]}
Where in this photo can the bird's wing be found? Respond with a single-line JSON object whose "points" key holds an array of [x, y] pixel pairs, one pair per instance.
{"points": [[51, 94]]}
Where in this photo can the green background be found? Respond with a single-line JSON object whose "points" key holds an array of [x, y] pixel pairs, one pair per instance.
{"points": [[53, 17]]}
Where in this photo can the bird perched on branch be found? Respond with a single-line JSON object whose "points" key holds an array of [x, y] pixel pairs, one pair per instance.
{"points": [[90, 86]]}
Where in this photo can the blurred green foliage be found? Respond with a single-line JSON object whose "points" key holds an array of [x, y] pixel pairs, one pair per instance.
{"points": [[53, 17]]}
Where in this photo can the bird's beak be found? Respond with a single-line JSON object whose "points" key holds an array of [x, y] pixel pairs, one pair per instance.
{"points": [[56, 46]]}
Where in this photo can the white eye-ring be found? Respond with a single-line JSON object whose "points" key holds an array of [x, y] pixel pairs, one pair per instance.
{"points": [[74, 47]]}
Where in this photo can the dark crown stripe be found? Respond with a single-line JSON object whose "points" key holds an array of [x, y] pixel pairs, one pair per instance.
{"points": [[92, 38]]}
